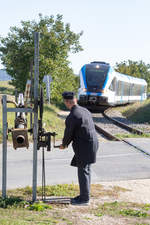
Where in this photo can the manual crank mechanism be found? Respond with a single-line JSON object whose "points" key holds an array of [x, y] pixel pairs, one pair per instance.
{"points": [[44, 138], [20, 131]]}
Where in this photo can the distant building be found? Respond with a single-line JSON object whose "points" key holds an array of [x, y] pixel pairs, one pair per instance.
{"points": [[4, 76]]}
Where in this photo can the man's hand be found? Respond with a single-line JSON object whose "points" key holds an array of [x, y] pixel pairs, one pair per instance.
{"points": [[62, 147]]}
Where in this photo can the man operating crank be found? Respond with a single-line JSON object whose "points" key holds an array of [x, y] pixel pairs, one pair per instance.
{"points": [[80, 130]]}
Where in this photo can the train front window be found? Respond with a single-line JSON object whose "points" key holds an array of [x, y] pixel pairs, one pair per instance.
{"points": [[95, 76]]}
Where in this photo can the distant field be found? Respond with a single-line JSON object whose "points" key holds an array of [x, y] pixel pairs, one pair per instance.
{"points": [[6, 88]]}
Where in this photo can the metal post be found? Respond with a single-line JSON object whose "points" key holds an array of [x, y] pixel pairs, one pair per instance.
{"points": [[16, 100], [48, 89], [35, 127], [4, 163]]}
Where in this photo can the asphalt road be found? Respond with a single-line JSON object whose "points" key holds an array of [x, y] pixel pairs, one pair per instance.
{"points": [[115, 161]]}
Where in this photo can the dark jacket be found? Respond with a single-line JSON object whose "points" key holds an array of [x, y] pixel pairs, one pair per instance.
{"points": [[80, 130]]}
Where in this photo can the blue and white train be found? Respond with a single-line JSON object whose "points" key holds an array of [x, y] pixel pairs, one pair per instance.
{"points": [[101, 85]]}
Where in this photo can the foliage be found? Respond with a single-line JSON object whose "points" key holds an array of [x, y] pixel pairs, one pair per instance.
{"points": [[12, 202], [6, 88], [56, 42], [39, 206], [17, 202], [135, 69], [132, 212]]}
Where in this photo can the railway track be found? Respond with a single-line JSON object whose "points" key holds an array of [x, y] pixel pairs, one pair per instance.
{"points": [[106, 134], [110, 136], [123, 125]]}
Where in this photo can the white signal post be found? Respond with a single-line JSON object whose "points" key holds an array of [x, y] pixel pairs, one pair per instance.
{"points": [[47, 80]]}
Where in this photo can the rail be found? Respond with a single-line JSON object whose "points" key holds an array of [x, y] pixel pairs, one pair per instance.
{"points": [[111, 137], [106, 134], [123, 125]]}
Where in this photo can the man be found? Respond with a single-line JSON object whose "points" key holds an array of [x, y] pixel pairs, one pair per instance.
{"points": [[80, 130]]}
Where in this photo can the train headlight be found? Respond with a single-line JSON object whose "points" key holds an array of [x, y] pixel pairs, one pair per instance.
{"points": [[84, 90], [97, 66], [102, 90]]}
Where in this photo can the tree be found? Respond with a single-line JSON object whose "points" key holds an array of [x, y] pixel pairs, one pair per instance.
{"points": [[135, 69], [56, 42]]}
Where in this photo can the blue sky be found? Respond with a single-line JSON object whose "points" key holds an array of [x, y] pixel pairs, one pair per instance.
{"points": [[114, 30]]}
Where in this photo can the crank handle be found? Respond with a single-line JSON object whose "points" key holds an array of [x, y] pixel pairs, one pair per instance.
{"points": [[56, 146]]}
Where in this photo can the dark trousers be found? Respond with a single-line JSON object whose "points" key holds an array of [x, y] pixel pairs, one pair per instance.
{"points": [[84, 178]]}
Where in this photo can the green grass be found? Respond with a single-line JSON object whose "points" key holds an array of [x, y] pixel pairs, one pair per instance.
{"points": [[52, 121], [97, 190], [18, 210], [125, 209], [138, 112], [15, 210], [6, 88], [16, 216], [53, 190], [146, 135]]}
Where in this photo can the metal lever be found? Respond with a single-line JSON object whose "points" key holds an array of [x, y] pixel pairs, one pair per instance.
{"points": [[56, 146]]}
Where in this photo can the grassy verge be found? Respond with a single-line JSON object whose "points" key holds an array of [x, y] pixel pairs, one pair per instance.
{"points": [[138, 112], [18, 211], [6, 88], [146, 135], [52, 121], [125, 209], [71, 190]]}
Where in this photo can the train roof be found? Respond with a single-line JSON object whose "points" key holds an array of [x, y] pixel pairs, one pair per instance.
{"points": [[100, 62], [94, 63]]}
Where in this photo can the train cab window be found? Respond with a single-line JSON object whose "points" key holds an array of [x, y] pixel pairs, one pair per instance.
{"points": [[96, 76]]}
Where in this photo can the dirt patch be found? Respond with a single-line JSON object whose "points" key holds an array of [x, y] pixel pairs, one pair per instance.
{"points": [[139, 190], [135, 193]]}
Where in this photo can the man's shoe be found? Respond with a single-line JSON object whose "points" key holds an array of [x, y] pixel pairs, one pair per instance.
{"points": [[78, 201], [75, 198]]}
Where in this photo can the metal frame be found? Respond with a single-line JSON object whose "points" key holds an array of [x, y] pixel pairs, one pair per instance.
{"points": [[35, 125]]}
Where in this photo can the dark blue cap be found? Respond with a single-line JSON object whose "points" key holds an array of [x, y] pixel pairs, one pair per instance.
{"points": [[68, 95]]}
